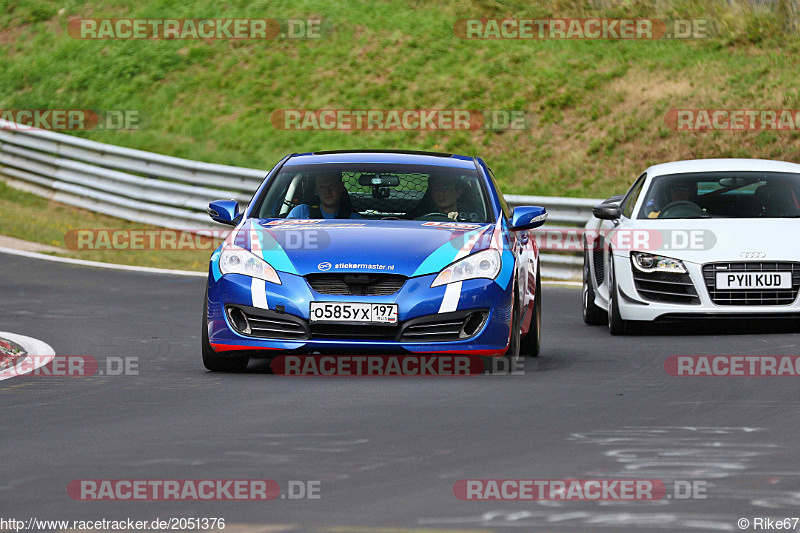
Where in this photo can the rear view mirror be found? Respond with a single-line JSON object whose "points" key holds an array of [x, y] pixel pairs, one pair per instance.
{"points": [[378, 180], [734, 183]]}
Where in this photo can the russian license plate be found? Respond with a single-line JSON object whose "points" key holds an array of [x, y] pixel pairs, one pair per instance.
{"points": [[754, 280], [353, 312]]}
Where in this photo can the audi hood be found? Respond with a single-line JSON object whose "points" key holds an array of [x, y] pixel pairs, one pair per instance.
{"points": [[708, 240]]}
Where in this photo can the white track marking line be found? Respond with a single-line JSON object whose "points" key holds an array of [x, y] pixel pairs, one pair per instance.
{"points": [[97, 264]]}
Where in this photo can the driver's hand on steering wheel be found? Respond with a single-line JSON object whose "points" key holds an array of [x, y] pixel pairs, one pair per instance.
{"points": [[452, 215]]}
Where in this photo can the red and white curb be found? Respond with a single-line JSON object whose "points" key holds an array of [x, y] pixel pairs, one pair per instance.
{"points": [[41, 353]]}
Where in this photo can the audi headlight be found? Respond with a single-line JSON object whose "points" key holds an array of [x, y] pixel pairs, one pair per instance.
{"points": [[236, 260], [485, 264], [657, 263]]}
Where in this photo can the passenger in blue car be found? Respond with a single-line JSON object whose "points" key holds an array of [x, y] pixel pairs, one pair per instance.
{"points": [[334, 202]]}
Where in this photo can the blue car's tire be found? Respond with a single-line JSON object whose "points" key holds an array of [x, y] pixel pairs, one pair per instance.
{"points": [[530, 344], [508, 362], [213, 361], [513, 344]]}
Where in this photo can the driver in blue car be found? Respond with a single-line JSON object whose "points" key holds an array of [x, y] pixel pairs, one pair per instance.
{"points": [[334, 202], [445, 193], [442, 197]]}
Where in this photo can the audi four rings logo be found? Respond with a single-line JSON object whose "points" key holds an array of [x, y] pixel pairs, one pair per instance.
{"points": [[324, 266], [752, 255]]}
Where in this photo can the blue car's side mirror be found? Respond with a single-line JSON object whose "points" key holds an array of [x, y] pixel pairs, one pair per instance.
{"points": [[225, 212], [528, 217]]}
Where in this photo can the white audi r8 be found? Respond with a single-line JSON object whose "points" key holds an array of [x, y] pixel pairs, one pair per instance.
{"points": [[715, 238]]}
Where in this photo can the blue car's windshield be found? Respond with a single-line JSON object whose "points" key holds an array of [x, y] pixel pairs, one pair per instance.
{"points": [[375, 191]]}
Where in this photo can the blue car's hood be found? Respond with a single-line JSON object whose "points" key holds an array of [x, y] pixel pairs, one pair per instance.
{"points": [[409, 248]]}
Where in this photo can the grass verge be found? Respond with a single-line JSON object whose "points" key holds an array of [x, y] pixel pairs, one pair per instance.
{"points": [[598, 107]]}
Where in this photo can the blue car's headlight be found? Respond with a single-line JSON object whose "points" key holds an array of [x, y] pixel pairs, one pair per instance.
{"points": [[236, 260], [485, 264], [657, 263]]}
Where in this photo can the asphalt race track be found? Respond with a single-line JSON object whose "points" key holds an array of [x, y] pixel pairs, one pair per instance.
{"points": [[387, 451]]}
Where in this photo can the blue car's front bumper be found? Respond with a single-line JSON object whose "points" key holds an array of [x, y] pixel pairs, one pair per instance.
{"points": [[291, 300]]}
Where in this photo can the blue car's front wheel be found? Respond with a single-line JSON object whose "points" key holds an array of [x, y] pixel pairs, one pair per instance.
{"points": [[509, 361], [530, 344], [211, 359]]}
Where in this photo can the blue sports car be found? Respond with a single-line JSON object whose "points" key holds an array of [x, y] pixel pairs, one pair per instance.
{"points": [[390, 252]]}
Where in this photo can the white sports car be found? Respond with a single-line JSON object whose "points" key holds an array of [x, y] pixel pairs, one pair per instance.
{"points": [[716, 238]]}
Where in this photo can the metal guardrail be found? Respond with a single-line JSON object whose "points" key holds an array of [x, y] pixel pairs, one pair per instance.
{"points": [[172, 192], [122, 182]]}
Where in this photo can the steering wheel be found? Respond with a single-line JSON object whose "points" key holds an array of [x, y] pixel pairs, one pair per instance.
{"points": [[690, 209], [391, 218]]}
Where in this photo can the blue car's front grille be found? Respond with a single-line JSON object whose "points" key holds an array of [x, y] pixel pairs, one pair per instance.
{"points": [[356, 284]]}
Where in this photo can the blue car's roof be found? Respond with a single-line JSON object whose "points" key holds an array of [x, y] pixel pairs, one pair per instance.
{"points": [[377, 156]]}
